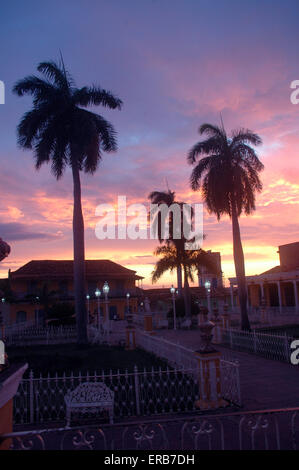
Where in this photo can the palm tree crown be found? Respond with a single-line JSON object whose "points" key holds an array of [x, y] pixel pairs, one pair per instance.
{"points": [[226, 170], [58, 128]]}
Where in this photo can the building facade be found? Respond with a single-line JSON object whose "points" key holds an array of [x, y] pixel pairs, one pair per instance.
{"points": [[279, 285], [39, 283]]}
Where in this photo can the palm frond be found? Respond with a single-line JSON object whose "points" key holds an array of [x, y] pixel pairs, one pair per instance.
{"points": [[87, 96], [54, 72]]}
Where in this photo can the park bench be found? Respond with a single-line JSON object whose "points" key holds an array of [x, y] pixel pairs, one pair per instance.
{"points": [[89, 397]]}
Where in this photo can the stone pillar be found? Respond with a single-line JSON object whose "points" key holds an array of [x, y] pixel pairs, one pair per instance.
{"points": [[209, 372], [296, 295], [9, 383]]}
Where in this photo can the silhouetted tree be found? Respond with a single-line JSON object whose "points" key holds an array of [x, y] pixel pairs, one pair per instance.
{"points": [[227, 172], [61, 132], [190, 260]]}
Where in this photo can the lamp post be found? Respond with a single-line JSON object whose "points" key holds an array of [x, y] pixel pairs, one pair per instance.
{"points": [[172, 291], [128, 303], [98, 295], [87, 298], [106, 289], [208, 289]]}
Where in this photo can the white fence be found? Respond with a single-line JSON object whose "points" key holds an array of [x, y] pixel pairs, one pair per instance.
{"points": [[40, 335], [271, 346], [184, 358], [33, 335]]}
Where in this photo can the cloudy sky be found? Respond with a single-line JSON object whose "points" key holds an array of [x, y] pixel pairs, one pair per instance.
{"points": [[175, 64]]}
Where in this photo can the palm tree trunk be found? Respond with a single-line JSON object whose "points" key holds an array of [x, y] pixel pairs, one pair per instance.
{"points": [[240, 269], [79, 259], [187, 299], [179, 279]]}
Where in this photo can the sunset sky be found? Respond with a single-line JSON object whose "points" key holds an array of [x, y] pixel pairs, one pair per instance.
{"points": [[175, 64]]}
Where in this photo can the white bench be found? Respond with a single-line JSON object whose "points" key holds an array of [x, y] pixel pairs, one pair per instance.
{"points": [[89, 397]]}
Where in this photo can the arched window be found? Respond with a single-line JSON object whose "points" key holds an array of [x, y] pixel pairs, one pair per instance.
{"points": [[21, 316]]}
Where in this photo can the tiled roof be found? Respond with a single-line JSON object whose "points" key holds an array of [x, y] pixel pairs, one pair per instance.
{"points": [[64, 268], [278, 269]]}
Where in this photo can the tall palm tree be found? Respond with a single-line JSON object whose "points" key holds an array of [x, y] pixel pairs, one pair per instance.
{"points": [[227, 171], [61, 132], [168, 198]]}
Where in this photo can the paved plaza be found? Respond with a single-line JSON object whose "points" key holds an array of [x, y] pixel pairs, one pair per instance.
{"points": [[265, 383]]}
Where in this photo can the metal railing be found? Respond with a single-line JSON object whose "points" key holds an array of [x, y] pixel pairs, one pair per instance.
{"points": [[271, 346], [138, 393], [276, 429], [34, 335]]}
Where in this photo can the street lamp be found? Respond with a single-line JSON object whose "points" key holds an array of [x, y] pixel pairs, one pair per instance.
{"points": [[98, 295], [208, 289], [128, 302], [87, 298], [106, 289], [172, 291]]}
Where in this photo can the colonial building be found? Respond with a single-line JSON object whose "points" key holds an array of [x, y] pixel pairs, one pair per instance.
{"points": [[279, 285], [29, 283]]}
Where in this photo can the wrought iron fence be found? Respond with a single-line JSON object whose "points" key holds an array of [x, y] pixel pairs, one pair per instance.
{"points": [[34, 335], [256, 430], [271, 346], [41, 399]]}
